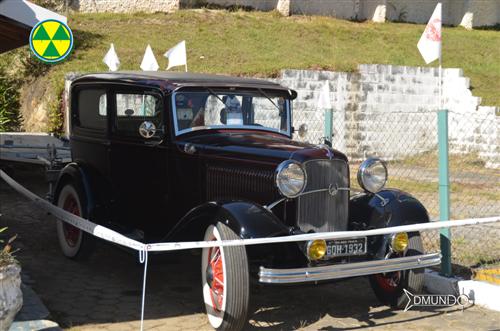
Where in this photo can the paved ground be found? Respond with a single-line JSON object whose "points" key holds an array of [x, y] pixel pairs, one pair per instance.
{"points": [[104, 292]]}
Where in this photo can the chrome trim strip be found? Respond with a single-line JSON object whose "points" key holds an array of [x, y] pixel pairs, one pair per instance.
{"points": [[325, 190], [311, 274], [274, 204]]}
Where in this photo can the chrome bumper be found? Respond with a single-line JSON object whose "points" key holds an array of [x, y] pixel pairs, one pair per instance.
{"points": [[311, 274]]}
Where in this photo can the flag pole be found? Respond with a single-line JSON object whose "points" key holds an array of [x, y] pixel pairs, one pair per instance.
{"points": [[444, 180]]}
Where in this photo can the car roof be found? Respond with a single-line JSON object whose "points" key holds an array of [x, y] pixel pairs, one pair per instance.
{"points": [[174, 80]]}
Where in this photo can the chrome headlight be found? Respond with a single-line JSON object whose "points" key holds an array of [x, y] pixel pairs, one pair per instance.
{"points": [[290, 178], [372, 175]]}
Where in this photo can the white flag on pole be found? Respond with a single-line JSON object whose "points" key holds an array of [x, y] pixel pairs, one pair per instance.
{"points": [[324, 101], [429, 44], [149, 61], [177, 55], [111, 59]]}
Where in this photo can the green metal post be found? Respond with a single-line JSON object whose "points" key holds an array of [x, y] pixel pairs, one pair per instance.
{"points": [[329, 124], [444, 192]]}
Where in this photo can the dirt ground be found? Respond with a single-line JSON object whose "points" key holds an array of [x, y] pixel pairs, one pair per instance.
{"points": [[104, 292]]}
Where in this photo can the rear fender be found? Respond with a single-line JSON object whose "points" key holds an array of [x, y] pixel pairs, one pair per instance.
{"points": [[93, 186]]}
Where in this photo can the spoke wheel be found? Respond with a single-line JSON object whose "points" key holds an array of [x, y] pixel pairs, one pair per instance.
{"points": [[389, 287], [72, 234], [74, 243], [225, 281]]}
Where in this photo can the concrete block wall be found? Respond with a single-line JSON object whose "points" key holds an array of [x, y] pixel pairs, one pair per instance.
{"points": [[125, 6], [468, 13], [390, 111]]}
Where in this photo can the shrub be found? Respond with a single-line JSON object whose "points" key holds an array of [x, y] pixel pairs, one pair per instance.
{"points": [[6, 253], [9, 103]]}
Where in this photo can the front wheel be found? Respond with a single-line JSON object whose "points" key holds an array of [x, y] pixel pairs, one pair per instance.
{"points": [[225, 280], [389, 287]]}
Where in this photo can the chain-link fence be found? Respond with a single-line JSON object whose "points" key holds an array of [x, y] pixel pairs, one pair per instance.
{"points": [[407, 140]]}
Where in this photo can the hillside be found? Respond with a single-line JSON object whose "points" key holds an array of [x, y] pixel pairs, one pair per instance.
{"points": [[261, 44]]}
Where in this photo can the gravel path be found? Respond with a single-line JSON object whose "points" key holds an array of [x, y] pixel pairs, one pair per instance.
{"points": [[104, 292]]}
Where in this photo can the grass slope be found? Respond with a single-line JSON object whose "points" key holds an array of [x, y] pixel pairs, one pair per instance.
{"points": [[261, 44], [258, 44]]}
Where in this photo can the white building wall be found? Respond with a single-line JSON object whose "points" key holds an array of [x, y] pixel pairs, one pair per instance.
{"points": [[125, 6], [391, 111]]}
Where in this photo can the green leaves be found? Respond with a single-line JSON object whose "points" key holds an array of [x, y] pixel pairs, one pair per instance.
{"points": [[9, 104]]}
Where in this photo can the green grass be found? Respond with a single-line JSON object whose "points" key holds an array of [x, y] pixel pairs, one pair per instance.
{"points": [[261, 44]]}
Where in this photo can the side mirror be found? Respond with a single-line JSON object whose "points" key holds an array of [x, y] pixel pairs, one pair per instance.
{"points": [[303, 130]]}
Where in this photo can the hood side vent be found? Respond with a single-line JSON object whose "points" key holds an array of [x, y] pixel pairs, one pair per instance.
{"points": [[225, 183]]}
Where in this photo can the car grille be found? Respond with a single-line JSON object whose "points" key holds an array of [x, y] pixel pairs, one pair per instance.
{"points": [[239, 183], [322, 211]]}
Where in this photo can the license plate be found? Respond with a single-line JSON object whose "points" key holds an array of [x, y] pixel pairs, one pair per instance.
{"points": [[346, 247]]}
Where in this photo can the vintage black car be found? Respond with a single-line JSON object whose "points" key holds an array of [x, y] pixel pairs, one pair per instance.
{"points": [[175, 156]]}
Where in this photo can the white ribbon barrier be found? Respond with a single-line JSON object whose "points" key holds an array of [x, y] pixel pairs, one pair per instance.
{"points": [[117, 238]]}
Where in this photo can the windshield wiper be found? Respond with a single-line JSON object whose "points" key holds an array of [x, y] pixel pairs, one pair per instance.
{"points": [[214, 94], [268, 98]]}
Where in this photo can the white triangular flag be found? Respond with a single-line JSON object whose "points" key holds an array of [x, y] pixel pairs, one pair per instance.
{"points": [[324, 97], [111, 59], [177, 55], [429, 44], [149, 61]]}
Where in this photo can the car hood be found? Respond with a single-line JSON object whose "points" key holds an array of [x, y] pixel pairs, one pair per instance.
{"points": [[262, 147]]}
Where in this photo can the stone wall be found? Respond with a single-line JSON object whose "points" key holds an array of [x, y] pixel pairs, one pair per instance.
{"points": [[390, 111], [124, 6], [468, 13]]}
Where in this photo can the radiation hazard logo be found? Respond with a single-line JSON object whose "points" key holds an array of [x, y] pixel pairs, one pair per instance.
{"points": [[51, 41]]}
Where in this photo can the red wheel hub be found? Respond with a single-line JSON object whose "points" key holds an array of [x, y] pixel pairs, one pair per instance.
{"points": [[215, 277], [389, 282], [71, 233]]}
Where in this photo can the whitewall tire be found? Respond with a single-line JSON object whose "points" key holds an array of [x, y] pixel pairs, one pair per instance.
{"points": [[225, 281], [74, 243]]}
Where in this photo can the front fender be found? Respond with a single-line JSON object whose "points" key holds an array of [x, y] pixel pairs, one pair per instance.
{"points": [[398, 208], [369, 211], [246, 219]]}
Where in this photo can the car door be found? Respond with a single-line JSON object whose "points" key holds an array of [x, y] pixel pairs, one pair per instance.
{"points": [[138, 162]]}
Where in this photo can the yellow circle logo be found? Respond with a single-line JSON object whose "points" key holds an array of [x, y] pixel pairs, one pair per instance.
{"points": [[51, 41]]}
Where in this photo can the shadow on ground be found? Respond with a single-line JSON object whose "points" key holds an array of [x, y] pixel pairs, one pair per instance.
{"points": [[107, 288]]}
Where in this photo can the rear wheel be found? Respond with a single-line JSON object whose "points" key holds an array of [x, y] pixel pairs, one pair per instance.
{"points": [[74, 243], [225, 281], [389, 287]]}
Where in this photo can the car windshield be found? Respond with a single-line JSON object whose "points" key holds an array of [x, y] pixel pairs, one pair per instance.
{"points": [[218, 109]]}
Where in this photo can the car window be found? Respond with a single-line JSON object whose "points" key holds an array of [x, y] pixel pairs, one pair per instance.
{"points": [[92, 109], [141, 105], [229, 109], [133, 109]]}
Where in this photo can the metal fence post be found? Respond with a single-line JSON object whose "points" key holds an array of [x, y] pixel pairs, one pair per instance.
{"points": [[328, 125], [444, 191]]}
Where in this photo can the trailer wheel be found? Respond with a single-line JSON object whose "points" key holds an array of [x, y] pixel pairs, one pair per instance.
{"points": [[74, 243], [225, 281]]}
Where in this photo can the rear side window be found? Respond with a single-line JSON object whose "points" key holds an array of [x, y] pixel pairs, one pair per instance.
{"points": [[92, 109], [136, 105], [133, 109]]}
